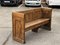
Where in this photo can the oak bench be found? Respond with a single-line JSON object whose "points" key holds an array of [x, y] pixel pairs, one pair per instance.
{"points": [[33, 19]]}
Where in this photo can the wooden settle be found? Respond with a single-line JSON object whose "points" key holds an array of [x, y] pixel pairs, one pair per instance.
{"points": [[23, 21]]}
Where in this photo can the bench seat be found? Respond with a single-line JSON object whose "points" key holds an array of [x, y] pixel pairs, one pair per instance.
{"points": [[38, 22]]}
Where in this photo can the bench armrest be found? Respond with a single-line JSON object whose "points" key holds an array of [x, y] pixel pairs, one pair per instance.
{"points": [[18, 26]]}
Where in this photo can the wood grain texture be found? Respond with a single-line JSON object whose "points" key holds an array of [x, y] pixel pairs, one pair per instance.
{"points": [[18, 27], [36, 23], [30, 20], [47, 12]]}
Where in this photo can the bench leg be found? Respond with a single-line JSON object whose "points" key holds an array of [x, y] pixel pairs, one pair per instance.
{"points": [[35, 30], [19, 34], [47, 26]]}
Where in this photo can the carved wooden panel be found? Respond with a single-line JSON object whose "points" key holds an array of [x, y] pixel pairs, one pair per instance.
{"points": [[47, 13], [18, 29], [28, 17], [37, 14], [32, 15]]}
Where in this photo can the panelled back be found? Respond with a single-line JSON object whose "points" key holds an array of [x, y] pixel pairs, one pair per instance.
{"points": [[28, 16], [31, 15], [37, 14]]}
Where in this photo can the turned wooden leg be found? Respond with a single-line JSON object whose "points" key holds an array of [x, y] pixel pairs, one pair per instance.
{"points": [[35, 30]]}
